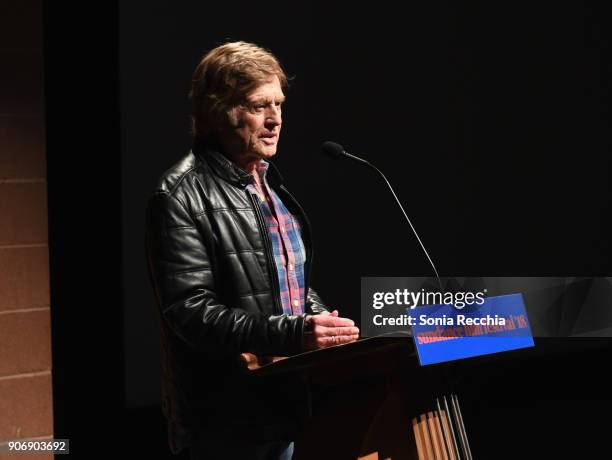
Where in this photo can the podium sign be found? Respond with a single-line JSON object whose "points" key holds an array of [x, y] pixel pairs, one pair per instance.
{"points": [[446, 333]]}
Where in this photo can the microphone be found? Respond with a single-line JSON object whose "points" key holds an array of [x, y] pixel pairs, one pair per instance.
{"points": [[335, 150]]}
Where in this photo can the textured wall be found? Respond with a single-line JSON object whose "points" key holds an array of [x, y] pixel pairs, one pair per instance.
{"points": [[26, 406]]}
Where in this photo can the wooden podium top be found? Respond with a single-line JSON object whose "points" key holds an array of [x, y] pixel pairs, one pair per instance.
{"points": [[364, 357]]}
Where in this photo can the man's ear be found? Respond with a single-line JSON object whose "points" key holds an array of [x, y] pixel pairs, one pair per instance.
{"points": [[232, 117]]}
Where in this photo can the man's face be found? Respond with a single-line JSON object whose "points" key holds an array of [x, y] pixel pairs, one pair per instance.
{"points": [[254, 128]]}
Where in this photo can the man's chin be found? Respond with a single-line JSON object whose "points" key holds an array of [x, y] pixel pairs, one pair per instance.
{"points": [[267, 152]]}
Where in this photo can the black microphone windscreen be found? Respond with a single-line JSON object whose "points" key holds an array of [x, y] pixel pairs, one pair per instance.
{"points": [[332, 149]]}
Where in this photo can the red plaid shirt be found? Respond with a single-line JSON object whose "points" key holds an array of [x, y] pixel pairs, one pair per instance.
{"points": [[287, 245]]}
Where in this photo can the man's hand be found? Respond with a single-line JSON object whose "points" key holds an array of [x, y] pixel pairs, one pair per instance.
{"points": [[328, 329]]}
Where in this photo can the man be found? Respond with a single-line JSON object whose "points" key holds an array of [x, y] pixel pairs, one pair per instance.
{"points": [[229, 252]]}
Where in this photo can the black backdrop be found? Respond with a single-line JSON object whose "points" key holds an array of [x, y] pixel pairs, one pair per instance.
{"points": [[492, 121]]}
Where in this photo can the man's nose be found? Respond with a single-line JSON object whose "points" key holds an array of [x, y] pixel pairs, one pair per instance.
{"points": [[274, 116]]}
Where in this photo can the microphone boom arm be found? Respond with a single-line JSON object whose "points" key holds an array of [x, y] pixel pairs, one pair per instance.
{"points": [[335, 150], [404, 212]]}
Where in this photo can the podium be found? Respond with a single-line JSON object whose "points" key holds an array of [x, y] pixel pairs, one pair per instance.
{"points": [[370, 399]]}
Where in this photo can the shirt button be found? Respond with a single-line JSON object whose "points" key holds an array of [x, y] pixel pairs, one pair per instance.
{"points": [[296, 303], [290, 267], [282, 228]]}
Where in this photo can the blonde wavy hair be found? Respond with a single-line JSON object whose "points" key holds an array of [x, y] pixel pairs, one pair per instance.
{"points": [[224, 77]]}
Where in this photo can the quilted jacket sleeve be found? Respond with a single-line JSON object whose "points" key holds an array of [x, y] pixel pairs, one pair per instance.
{"points": [[180, 267], [314, 304]]}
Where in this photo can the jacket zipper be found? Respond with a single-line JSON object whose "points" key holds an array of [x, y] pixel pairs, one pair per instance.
{"points": [[269, 255]]}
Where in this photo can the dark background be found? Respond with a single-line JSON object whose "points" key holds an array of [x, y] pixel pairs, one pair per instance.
{"points": [[491, 121]]}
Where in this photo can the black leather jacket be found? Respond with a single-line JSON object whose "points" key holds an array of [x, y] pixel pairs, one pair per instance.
{"points": [[211, 264]]}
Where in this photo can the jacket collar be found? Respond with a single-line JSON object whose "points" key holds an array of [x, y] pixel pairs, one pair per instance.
{"points": [[227, 170]]}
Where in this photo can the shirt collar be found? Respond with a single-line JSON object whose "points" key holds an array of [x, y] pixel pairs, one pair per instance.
{"points": [[262, 169]]}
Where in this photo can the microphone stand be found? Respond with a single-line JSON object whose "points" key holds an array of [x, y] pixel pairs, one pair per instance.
{"points": [[362, 161]]}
